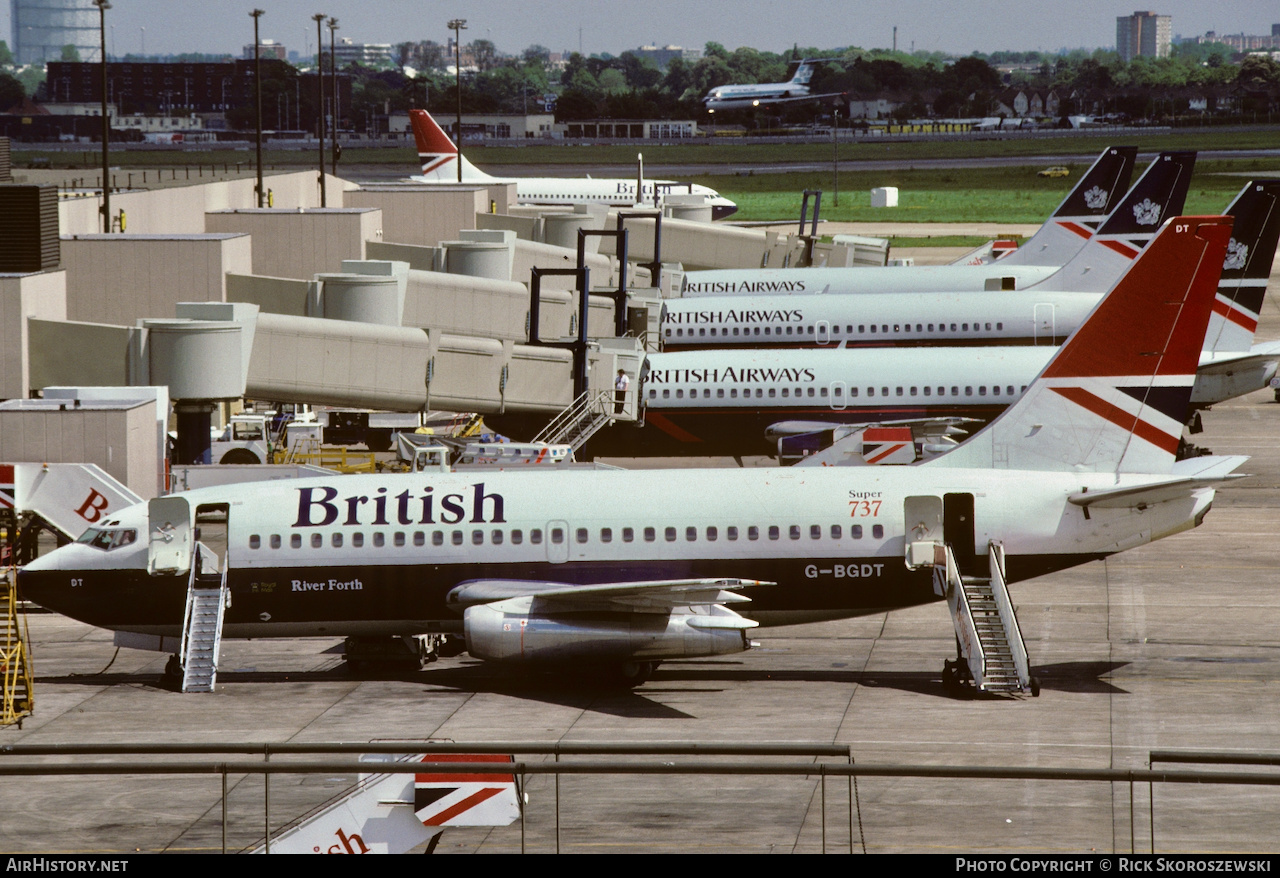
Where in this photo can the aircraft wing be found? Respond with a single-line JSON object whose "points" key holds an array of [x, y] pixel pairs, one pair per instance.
{"points": [[919, 426], [652, 595], [769, 102], [1188, 476], [867, 443]]}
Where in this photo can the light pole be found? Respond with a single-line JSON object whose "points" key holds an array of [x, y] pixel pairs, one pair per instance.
{"points": [[835, 154], [257, 83], [457, 25], [319, 19], [103, 6], [333, 72]]}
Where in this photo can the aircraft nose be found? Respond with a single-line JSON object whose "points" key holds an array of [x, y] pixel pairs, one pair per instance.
{"points": [[722, 208]]}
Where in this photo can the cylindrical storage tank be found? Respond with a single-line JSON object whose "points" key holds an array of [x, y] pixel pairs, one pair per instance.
{"points": [[478, 259], [361, 298], [561, 229], [694, 212], [197, 359]]}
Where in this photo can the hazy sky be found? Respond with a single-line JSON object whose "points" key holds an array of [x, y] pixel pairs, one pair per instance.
{"points": [[959, 26]]}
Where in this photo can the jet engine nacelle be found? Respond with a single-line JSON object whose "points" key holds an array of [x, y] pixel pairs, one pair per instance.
{"points": [[510, 631]]}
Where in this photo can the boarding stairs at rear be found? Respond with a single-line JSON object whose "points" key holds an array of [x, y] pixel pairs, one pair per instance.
{"points": [[586, 416], [991, 653], [18, 699], [202, 627]]}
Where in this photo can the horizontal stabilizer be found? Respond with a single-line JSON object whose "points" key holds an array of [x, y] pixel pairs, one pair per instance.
{"points": [[1211, 472]]}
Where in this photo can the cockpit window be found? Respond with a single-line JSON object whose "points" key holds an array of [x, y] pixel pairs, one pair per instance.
{"points": [[108, 538]]}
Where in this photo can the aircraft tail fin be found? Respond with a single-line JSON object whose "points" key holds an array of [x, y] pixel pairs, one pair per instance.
{"points": [[1073, 222], [1161, 192], [1115, 396], [437, 153], [803, 73], [1247, 267]]}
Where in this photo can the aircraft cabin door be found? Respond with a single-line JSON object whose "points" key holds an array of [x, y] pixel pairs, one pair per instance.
{"points": [[837, 396], [923, 518], [557, 541], [957, 525], [170, 537], [822, 332], [1044, 324]]}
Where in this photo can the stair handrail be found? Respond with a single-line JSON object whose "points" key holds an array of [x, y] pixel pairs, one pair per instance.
{"points": [[1008, 617], [962, 618], [589, 400], [188, 611]]}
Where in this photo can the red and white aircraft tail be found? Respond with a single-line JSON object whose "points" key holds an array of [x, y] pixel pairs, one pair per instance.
{"points": [[393, 813], [439, 155], [1116, 395]]}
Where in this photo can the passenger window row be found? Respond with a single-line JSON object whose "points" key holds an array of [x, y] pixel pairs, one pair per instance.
{"points": [[836, 391], [836, 330], [558, 535]]}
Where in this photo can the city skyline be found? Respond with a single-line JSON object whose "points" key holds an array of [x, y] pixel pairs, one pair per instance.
{"points": [[960, 27]]}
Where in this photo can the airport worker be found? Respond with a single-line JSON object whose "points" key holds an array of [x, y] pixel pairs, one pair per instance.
{"points": [[620, 385]]}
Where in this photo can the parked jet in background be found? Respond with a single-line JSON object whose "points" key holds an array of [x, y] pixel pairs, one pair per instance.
{"points": [[629, 568], [1038, 315], [766, 94], [439, 157]]}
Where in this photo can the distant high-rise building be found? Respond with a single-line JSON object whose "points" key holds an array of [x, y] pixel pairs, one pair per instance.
{"points": [[42, 28], [1144, 33], [661, 56], [267, 49]]}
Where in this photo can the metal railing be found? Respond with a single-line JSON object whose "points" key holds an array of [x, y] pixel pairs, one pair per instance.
{"points": [[13, 765]]}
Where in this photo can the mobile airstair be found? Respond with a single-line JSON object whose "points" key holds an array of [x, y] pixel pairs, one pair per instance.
{"points": [[202, 627], [585, 417], [15, 665], [991, 655]]}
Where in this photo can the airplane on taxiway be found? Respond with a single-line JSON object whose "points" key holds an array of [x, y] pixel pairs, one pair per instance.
{"points": [[440, 157], [624, 569]]}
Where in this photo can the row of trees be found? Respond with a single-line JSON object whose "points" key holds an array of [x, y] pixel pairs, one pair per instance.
{"points": [[630, 86]]}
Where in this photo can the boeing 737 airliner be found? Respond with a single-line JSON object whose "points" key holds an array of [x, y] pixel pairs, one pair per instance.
{"points": [[612, 567]]}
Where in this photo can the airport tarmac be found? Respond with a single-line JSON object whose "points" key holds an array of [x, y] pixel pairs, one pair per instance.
{"points": [[1175, 645]]}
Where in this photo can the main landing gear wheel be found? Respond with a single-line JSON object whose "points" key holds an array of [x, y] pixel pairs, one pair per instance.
{"points": [[1035, 687], [955, 678], [173, 671], [239, 456], [632, 674]]}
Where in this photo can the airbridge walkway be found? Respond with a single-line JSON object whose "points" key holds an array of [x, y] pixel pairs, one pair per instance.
{"points": [[401, 297]]}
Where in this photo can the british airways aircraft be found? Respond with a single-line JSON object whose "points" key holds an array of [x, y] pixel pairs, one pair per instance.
{"points": [[439, 157], [1043, 314], [629, 568], [1160, 193], [731, 401]]}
